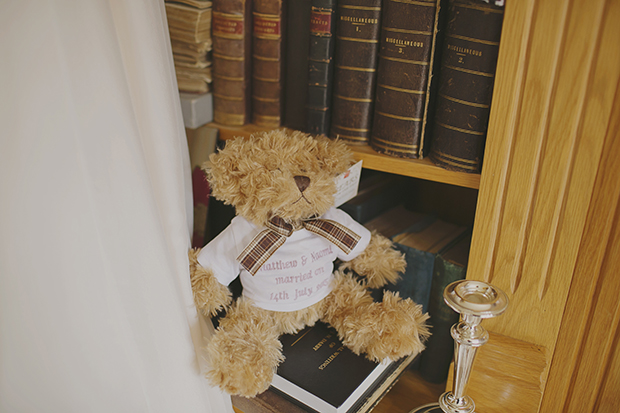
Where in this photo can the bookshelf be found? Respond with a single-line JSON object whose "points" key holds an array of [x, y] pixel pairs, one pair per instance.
{"points": [[547, 219], [423, 168]]}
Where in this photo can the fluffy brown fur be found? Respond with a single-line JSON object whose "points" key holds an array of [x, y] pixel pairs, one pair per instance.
{"points": [[256, 176]]}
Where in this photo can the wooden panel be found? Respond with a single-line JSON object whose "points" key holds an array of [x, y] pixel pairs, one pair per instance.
{"points": [[503, 124], [538, 184], [608, 400], [507, 370], [526, 155], [594, 361], [546, 197], [589, 326]]}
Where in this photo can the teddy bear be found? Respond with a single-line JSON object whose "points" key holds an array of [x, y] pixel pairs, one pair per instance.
{"points": [[299, 260]]}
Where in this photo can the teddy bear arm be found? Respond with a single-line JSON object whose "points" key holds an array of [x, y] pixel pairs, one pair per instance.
{"points": [[380, 263], [210, 296]]}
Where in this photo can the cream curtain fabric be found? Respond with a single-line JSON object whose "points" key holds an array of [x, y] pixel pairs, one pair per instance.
{"points": [[96, 313]]}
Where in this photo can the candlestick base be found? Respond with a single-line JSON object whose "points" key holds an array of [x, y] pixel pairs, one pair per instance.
{"points": [[428, 408], [475, 301]]}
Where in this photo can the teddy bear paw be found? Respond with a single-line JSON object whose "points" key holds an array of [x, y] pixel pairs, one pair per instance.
{"points": [[242, 363], [390, 329], [401, 329]]}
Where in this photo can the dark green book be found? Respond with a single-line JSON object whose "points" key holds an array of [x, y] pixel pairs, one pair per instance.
{"points": [[377, 192], [450, 265], [420, 237]]}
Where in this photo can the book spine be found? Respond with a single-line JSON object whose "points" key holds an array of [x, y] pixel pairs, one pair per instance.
{"points": [[268, 62], [232, 41], [355, 69], [296, 78], [466, 78], [407, 42], [436, 358], [320, 66]]}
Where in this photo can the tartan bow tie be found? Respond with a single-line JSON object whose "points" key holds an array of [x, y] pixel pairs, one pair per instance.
{"points": [[269, 240]]}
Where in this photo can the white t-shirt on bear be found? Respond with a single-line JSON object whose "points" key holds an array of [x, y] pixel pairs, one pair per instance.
{"points": [[296, 276]]}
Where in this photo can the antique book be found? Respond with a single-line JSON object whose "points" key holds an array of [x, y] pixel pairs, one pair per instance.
{"points": [[406, 59], [296, 66], [450, 265], [355, 70], [320, 66], [192, 54], [232, 61], [269, 25], [467, 74], [420, 237], [200, 4], [189, 23], [377, 192], [320, 374], [193, 79]]}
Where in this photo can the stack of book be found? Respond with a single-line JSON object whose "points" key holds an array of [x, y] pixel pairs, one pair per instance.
{"points": [[189, 23], [436, 252], [320, 374], [411, 79]]}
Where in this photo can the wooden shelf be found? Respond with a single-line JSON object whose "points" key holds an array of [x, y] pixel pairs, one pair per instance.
{"points": [[409, 392], [422, 168]]}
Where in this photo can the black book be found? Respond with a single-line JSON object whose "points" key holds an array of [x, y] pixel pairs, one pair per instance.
{"points": [[320, 66], [465, 85], [321, 375], [296, 66]]}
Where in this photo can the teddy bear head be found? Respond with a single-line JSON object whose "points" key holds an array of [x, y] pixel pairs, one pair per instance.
{"points": [[288, 174]]}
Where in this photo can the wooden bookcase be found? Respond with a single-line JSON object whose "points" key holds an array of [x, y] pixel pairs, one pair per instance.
{"points": [[547, 216], [423, 168]]}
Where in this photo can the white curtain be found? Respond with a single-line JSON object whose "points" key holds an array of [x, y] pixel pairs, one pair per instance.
{"points": [[96, 313]]}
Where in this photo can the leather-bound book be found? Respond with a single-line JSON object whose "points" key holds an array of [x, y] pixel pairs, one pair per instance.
{"points": [[466, 78], [232, 61], [268, 62], [320, 66], [450, 265], [296, 76], [355, 69], [406, 58]]}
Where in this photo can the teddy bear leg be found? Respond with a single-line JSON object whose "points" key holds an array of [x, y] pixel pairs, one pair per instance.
{"points": [[245, 351], [392, 328]]}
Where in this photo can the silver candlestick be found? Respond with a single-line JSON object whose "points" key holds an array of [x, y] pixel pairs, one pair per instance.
{"points": [[475, 301]]}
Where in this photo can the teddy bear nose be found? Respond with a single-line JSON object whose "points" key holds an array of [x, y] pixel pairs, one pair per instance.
{"points": [[302, 182]]}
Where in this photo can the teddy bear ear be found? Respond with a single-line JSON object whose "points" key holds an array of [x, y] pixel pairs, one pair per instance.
{"points": [[222, 171], [334, 154]]}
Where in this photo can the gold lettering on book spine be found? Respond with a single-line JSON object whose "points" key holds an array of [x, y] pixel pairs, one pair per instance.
{"points": [[395, 146], [454, 128], [227, 25], [228, 119]]}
